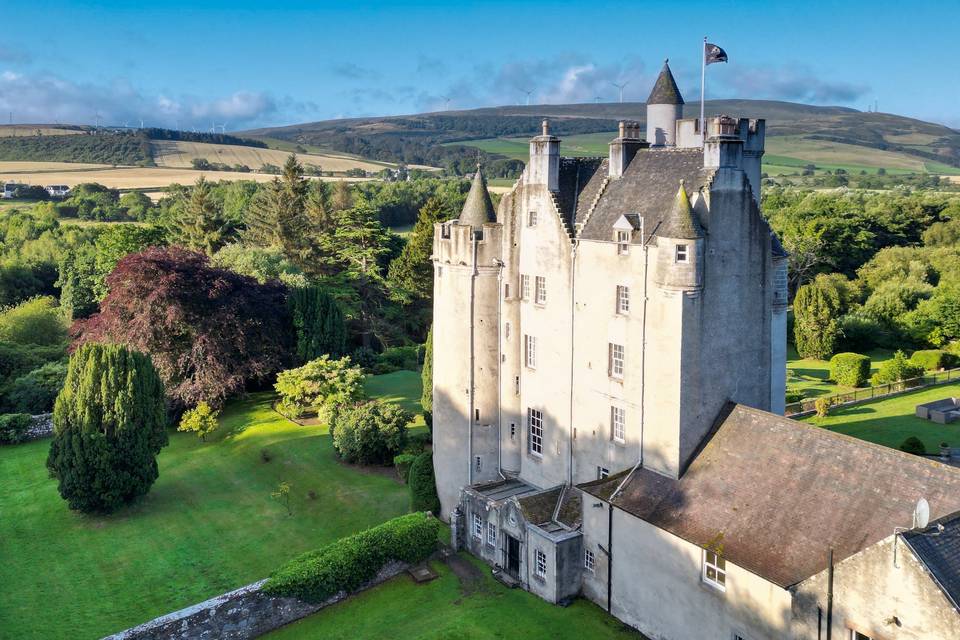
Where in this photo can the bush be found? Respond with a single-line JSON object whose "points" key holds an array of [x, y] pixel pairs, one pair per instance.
{"points": [[19, 359], [348, 563], [816, 308], [913, 445], [423, 486], [109, 425], [402, 463], [36, 321], [396, 359], [934, 359], [896, 369], [318, 324], [859, 333], [794, 395], [201, 420], [822, 407], [36, 391], [371, 432], [850, 369], [14, 427], [320, 385], [364, 357]]}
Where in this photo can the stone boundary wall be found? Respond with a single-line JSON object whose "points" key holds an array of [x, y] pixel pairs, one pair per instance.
{"points": [[245, 613], [42, 427]]}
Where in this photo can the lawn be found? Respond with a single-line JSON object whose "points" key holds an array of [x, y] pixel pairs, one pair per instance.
{"points": [[889, 422], [465, 607], [812, 377], [207, 526]]}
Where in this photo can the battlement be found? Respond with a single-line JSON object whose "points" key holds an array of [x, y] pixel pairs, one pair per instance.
{"points": [[453, 244]]}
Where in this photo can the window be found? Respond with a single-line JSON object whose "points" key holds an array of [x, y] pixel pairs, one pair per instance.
{"points": [[618, 422], [516, 385], [856, 635], [602, 473], [478, 461], [439, 272], [589, 560], [532, 219], [513, 430], [525, 287], [491, 534], [540, 290], [506, 290], [623, 242], [506, 330], [535, 431], [540, 564], [615, 367], [681, 253], [476, 415], [623, 299], [477, 526], [714, 570], [530, 349]]}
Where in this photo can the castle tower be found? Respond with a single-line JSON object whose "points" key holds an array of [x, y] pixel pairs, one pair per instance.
{"points": [[664, 108], [467, 266]]}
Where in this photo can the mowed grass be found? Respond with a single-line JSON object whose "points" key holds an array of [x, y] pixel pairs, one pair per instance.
{"points": [[889, 422], [450, 609], [207, 526], [812, 377]]}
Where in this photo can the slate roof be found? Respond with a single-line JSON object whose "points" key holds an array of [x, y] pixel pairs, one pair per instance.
{"points": [[778, 494], [539, 507], [578, 182], [665, 90], [478, 208], [682, 222], [940, 553], [647, 188]]}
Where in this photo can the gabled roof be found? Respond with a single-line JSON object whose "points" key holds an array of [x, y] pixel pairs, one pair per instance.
{"points": [[665, 90], [682, 222], [939, 550], [478, 209], [779, 494]]}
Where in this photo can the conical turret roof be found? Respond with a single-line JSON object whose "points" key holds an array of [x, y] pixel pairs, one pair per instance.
{"points": [[478, 209], [682, 223], [665, 90]]}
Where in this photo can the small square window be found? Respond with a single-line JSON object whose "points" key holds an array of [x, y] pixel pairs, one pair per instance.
{"points": [[540, 564], [623, 299], [617, 356], [589, 560], [477, 526], [532, 219], [681, 253], [530, 348], [714, 570], [540, 290], [623, 242], [491, 534], [618, 423], [525, 287], [602, 473]]}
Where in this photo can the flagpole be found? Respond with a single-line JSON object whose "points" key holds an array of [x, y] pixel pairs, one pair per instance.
{"points": [[703, 84]]}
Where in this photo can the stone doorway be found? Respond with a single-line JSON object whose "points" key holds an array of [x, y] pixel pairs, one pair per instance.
{"points": [[513, 556]]}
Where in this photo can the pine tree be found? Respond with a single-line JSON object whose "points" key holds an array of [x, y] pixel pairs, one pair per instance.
{"points": [[202, 226], [109, 425], [318, 323], [426, 376], [411, 275]]}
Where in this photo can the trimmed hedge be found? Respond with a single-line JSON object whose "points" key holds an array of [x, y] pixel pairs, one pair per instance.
{"points": [[14, 427], [402, 462], [348, 563], [934, 359], [423, 485], [850, 369]]}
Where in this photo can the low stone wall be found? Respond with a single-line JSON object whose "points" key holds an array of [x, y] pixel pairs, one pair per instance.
{"points": [[245, 613], [42, 427]]}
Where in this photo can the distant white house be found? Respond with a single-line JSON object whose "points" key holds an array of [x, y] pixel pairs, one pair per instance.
{"points": [[9, 189], [58, 190]]}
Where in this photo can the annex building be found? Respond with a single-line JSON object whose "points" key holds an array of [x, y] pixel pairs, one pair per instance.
{"points": [[609, 382]]}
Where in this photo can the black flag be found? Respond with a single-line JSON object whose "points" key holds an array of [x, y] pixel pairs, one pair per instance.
{"points": [[712, 53]]}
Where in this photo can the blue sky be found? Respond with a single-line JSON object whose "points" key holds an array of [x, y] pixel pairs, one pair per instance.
{"points": [[252, 64]]}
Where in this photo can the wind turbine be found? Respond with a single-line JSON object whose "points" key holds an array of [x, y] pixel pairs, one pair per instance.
{"points": [[223, 128], [528, 92], [620, 87], [596, 99], [446, 102]]}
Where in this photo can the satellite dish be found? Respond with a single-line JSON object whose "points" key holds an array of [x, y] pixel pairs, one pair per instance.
{"points": [[921, 514]]}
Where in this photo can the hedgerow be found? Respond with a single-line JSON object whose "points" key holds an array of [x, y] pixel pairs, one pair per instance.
{"points": [[850, 369]]}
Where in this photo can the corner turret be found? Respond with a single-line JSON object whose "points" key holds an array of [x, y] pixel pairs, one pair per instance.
{"points": [[680, 246], [664, 108], [478, 208]]}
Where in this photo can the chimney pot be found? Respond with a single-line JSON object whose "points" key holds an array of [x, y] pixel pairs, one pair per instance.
{"points": [[545, 127], [623, 126]]}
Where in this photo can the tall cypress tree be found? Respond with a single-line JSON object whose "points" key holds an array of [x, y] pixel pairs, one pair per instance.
{"points": [[318, 323], [816, 310], [426, 376], [109, 425]]}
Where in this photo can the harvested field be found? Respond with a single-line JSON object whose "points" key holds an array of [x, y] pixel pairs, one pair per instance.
{"points": [[177, 154], [8, 130]]}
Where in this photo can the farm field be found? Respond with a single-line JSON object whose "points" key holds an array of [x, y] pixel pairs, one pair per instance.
{"points": [[889, 422], [812, 377], [208, 525], [178, 155], [11, 130], [464, 602]]}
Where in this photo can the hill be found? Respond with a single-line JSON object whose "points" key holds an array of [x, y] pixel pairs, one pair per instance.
{"points": [[797, 134], [180, 154]]}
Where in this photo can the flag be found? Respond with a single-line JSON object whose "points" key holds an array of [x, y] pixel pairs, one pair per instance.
{"points": [[712, 53]]}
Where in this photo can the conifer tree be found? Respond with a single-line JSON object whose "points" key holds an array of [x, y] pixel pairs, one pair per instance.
{"points": [[201, 226], [318, 323], [109, 425], [426, 376], [411, 275], [816, 310]]}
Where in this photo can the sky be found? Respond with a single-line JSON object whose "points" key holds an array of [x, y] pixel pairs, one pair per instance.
{"points": [[243, 64]]}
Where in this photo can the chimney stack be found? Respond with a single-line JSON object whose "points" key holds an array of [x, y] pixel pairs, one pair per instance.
{"points": [[625, 147], [544, 166]]}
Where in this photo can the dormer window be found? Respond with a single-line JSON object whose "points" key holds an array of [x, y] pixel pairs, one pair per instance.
{"points": [[623, 242], [681, 253]]}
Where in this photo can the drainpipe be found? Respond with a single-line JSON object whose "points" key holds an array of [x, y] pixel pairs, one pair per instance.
{"points": [[830, 596], [500, 295], [643, 348], [473, 290], [609, 556], [573, 311]]}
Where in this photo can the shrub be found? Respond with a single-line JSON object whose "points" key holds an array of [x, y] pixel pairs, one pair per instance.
{"points": [[794, 395], [14, 427], [19, 359], [402, 462], [816, 307], [913, 445], [934, 359], [320, 385], [396, 359], [822, 406], [109, 425], [318, 324], [896, 369], [850, 369], [364, 357], [859, 333], [36, 321], [423, 486], [371, 432], [201, 420], [36, 391], [348, 563]]}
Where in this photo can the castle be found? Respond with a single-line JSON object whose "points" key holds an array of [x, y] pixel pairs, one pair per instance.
{"points": [[609, 378]]}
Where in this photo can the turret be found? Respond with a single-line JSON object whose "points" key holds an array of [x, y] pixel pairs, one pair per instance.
{"points": [[544, 167], [624, 147], [664, 108], [680, 247]]}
